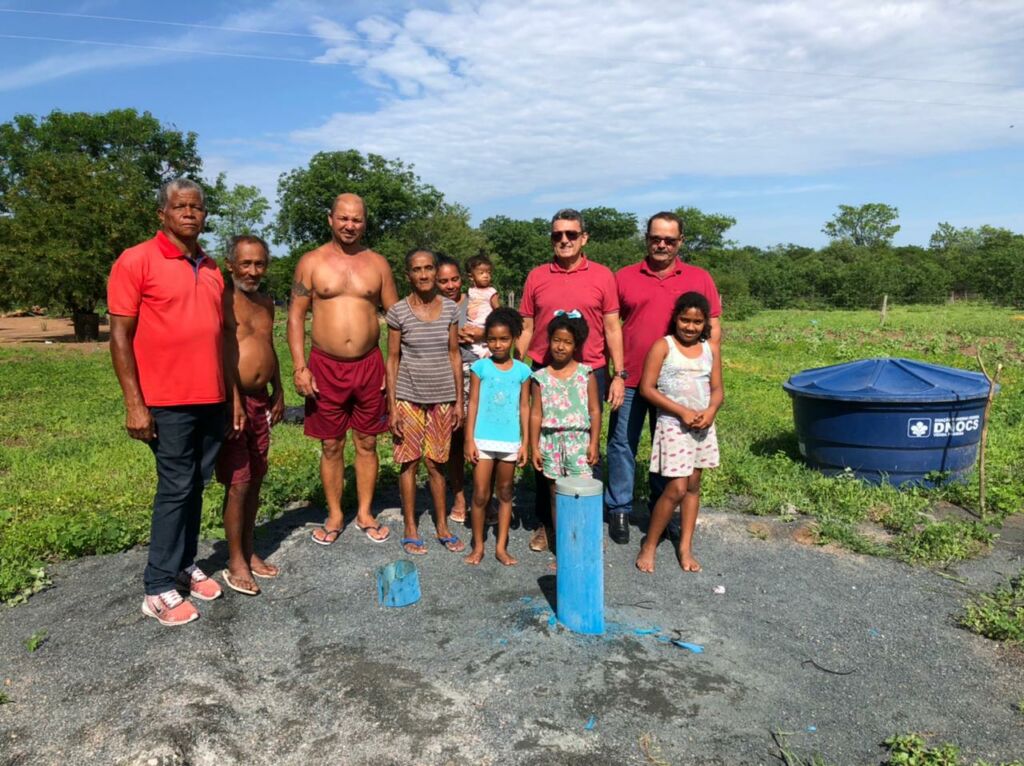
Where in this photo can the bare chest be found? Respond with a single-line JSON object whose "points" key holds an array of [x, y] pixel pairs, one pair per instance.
{"points": [[337, 278]]}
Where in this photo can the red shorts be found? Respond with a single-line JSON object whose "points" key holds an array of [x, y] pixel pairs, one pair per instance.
{"points": [[243, 458], [351, 396]]}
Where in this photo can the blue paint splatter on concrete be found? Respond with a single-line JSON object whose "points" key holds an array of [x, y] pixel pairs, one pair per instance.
{"points": [[591, 724]]}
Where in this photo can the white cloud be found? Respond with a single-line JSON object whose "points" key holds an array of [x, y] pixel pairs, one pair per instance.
{"points": [[502, 98]]}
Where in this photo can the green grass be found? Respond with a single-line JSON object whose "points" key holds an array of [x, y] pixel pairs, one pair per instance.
{"points": [[998, 615], [913, 750], [72, 483]]}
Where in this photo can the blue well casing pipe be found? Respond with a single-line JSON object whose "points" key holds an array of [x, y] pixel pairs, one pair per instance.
{"points": [[579, 540]]}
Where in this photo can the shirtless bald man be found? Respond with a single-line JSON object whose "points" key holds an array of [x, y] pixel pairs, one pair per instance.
{"points": [[344, 283]]}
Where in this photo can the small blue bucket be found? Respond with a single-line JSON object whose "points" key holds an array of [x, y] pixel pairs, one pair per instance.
{"points": [[398, 584]]}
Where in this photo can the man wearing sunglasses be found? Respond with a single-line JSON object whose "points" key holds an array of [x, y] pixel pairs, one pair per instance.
{"points": [[572, 282], [647, 292]]}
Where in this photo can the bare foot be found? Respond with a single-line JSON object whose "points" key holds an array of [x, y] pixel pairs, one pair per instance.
{"points": [[688, 562], [241, 579], [506, 558], [645, 560], [475, 556], [261, 568]]}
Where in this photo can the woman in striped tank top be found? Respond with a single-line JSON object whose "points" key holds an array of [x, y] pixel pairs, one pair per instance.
{"points": [[424, 393]]}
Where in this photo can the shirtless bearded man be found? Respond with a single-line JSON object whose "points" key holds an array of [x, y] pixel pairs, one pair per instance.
{"points": [[344, 283], [250, 364]]}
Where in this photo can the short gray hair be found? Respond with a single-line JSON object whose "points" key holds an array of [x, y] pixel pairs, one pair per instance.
{"points": [[178, 184], [245, 239], [568, 214]]}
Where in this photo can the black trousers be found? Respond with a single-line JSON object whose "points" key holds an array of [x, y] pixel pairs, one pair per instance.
{"points": [[542, 485], [186, 445]]}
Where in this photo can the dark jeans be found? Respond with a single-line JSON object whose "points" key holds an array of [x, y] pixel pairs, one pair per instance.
{"points": [[542, 485], [624, 428], [186, 445]]}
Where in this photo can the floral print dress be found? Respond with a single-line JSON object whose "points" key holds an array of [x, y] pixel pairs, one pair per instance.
{"points": [[565, 422], [676, 449]]}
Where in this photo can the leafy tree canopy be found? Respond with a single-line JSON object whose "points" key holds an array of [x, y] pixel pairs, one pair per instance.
{"points": [[870, 225], [606, 224], [703, 231], [393, 193], [237, 210], [76, 189]]}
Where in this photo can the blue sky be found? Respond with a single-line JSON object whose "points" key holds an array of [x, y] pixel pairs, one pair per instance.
{"points": [[774, 113]]}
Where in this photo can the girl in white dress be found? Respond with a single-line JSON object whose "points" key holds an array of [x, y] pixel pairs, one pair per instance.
{"points": [[683, 377]]}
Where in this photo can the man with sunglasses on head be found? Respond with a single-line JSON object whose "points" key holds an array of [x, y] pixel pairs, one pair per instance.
{"points": [[572, 282], [647, 292]]}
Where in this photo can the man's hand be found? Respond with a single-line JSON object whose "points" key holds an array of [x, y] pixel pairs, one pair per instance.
{"points": [[616, 392], [139, 423], [237, 425], [395, 423], [305, 383], [276, 408]]}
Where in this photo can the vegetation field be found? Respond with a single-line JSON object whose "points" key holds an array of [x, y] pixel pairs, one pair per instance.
{"points": [[72, 483]]}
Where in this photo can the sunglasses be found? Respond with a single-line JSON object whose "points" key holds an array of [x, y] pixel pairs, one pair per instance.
{"points": [[572, 236], [670, 241]]}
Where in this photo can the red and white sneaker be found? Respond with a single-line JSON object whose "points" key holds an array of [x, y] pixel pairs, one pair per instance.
{"points": [[199, 585], [169, 608]]}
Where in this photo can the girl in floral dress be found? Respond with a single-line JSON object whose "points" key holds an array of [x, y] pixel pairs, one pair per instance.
{"points": [[683, 377], [565, 410]]}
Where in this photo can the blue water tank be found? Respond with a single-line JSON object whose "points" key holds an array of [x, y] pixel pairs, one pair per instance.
{"points": [[895, 420]]}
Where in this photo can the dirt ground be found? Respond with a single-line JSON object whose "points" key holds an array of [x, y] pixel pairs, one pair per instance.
{"points": [[832, 652], [43, 330]]}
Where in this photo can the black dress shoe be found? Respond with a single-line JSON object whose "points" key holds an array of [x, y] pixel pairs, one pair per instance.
{"points": [[618, 527]]}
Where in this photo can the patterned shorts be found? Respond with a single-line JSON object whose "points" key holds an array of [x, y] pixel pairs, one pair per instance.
{"points": [[426, 431], [565, 452]]}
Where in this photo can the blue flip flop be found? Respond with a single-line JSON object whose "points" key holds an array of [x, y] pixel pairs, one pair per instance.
{"points": [[451, 540], [418, 542]]}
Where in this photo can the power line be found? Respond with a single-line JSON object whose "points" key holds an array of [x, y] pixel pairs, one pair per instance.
{"points": [[297, 60], [246, 30], [352, 38]]}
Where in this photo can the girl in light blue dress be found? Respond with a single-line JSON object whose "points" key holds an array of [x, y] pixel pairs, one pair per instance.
{"points": [[496, 428]]}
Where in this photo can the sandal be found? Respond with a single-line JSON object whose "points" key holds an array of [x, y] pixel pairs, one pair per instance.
{"points": [[416, 541], [452, 543], [326, 539], [459, 517], [375, 528]]}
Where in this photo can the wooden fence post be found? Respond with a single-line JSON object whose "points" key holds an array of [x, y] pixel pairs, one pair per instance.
{"points": [[992, 380]]}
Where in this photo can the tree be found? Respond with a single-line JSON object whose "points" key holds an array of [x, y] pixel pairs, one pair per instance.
{"points": [[446, 231], [870, 225], [703, 231], [394, 196], [75, 190], [236, 210], [606, 224], [519, 246]]}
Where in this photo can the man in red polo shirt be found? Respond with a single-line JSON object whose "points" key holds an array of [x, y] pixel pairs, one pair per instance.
{"points": [[166, 323], [572, 281], [647, 292]]}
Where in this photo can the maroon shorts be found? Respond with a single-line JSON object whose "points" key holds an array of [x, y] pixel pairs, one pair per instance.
{"points": [[351, 395], [243, 458]]}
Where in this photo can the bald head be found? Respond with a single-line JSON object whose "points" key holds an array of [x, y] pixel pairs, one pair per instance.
{"points": [[347, 220], [348, 200]]}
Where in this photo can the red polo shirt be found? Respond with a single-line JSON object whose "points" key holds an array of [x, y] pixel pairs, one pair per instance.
{"points": [[590, 288], [646, 303], [180, 318]]}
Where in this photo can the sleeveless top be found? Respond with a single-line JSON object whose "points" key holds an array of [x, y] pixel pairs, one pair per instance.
{"points": [[684, 380]]}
